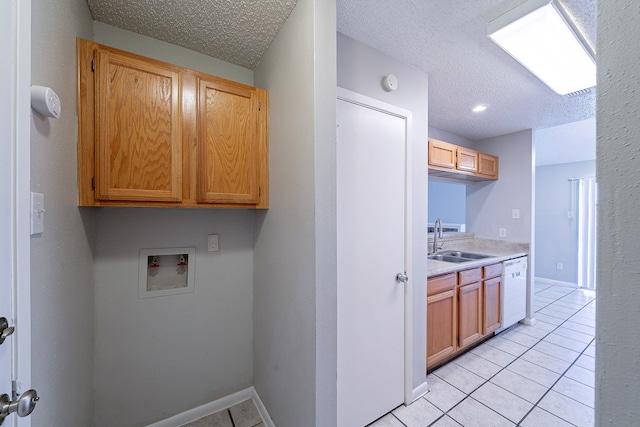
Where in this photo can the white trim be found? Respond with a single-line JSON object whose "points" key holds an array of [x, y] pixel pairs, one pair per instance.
{"points": [[194, 414], [555, 282], [420, 391], [22, 113], [368, 102]]}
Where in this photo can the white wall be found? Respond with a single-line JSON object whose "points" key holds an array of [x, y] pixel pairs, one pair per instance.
{"points": [[294, 254], [158, 357], [556, 234], [452, 138], [618, 128], [61, 258], [361, 69], [489, 204]]}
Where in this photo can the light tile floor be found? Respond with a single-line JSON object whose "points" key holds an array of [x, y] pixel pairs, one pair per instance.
{"points": [[541, 375], [244, 414]]}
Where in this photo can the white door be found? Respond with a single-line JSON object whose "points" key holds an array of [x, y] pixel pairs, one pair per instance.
{"points": [[371, 227], [14, 237]]}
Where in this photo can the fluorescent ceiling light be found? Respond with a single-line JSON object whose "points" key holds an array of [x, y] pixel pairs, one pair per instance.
{"points": [[540, 36]]}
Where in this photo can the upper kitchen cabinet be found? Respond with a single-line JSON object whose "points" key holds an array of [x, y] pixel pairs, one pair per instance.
{"points": [[159, 135], [456, 163]]}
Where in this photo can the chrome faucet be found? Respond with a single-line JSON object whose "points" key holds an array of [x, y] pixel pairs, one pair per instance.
{"points": [[437, 233]]}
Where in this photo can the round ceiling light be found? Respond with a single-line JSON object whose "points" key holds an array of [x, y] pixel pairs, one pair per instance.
{"points": [[479, 108]]}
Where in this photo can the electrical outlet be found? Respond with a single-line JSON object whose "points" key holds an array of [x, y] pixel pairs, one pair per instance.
{"points": [[559, 266], [503, 232], [212, 243]]}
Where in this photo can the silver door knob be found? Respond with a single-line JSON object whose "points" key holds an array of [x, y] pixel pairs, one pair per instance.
{"points": [[402, 277], [5, 329], [22, 407]]}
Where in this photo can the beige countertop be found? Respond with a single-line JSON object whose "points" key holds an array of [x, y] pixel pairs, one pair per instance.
{"points": [[500, 250]]}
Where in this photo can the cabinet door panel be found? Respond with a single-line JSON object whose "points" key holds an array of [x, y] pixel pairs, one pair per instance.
{"points": [[467, 159], [488, 165], [442, 154], [138, 130], [469, 313], [441, 326], [228, 144], [491, 305]]}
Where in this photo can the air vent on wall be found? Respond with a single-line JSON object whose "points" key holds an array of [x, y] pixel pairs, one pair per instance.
{"points": [[578, 93]]}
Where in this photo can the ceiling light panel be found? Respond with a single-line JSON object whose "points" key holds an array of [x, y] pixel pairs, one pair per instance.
{"points": [[540, 36]]}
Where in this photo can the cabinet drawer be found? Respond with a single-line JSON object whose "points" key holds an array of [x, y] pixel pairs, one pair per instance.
{"points": [[436, 285], [493, 270], [469, 276]]}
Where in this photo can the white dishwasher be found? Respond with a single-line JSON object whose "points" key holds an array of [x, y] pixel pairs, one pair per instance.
{"points": [[513, 297]]}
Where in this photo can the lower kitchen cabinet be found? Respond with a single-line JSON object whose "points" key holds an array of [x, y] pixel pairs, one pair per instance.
{"points": [[491, 296], [469, 314], [462, 309], [442, 319]]}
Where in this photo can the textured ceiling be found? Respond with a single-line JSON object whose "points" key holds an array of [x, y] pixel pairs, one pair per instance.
{"points": [[448, 40], [235, 31]]}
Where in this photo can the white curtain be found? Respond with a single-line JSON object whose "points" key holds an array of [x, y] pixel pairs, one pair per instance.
{"points": [[587, 195]]}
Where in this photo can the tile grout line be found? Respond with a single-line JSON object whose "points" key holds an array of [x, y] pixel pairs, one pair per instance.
{"points": [[510, 363]]}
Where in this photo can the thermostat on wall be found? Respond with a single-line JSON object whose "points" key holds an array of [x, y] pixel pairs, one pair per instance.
{"points": [[45, 101]]}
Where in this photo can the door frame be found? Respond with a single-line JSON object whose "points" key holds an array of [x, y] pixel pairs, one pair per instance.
{"points": [[21, 145], [367, 102]]}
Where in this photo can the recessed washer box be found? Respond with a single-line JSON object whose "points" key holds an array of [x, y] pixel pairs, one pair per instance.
{"points": [[167, 271]]}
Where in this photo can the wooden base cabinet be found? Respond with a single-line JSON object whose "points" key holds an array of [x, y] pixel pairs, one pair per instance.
{"points": [[462, 309], [442, 318], [470, 314], [159, 135]]}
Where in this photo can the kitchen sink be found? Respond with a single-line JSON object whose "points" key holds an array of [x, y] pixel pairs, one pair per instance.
{"points": [[457, 256], [448, 258]]}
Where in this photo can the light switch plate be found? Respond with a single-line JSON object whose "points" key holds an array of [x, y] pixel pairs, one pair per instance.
{"points": [[37, 213], [503, 232], [515, 213], [212, 243]]}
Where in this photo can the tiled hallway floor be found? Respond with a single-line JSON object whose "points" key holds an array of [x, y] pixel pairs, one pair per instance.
{"points": [[541, 375], [244, 414]]}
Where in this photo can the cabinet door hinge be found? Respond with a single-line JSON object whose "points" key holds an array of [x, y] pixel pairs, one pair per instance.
{"points": [[93, 65], [259, 106], [259, 191], [93, 182]]}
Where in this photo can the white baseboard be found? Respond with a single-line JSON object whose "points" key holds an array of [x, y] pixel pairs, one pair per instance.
{"points": [[215, 406], [555, 282], [420, 391]]}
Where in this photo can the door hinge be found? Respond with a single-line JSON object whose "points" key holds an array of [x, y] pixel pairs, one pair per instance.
{"points": [[259, 106], [259, 191], [93, 182], [93, 65]]}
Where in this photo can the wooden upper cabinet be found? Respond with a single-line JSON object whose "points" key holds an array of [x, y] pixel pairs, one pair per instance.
{"points": [[442, 154], [452, 162], [467, 159], [159, 135], [488, 165], [138, 143], [227, 143]]}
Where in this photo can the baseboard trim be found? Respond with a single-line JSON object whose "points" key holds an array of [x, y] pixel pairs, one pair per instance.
{"points": [[555, 282], [420, 391], [215, 406]]}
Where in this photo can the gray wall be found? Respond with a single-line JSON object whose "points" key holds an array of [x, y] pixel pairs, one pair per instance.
{"points": [[618, 128], [177, 352], [361, 69], [447, 201], [489, 204], [451, 138], [156, 357], [61, 258], [294, 252], [556, 234]]}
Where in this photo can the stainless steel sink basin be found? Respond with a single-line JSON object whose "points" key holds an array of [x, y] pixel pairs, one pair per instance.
{"points": [[471, 255], [448, 258], [457, 256]]}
